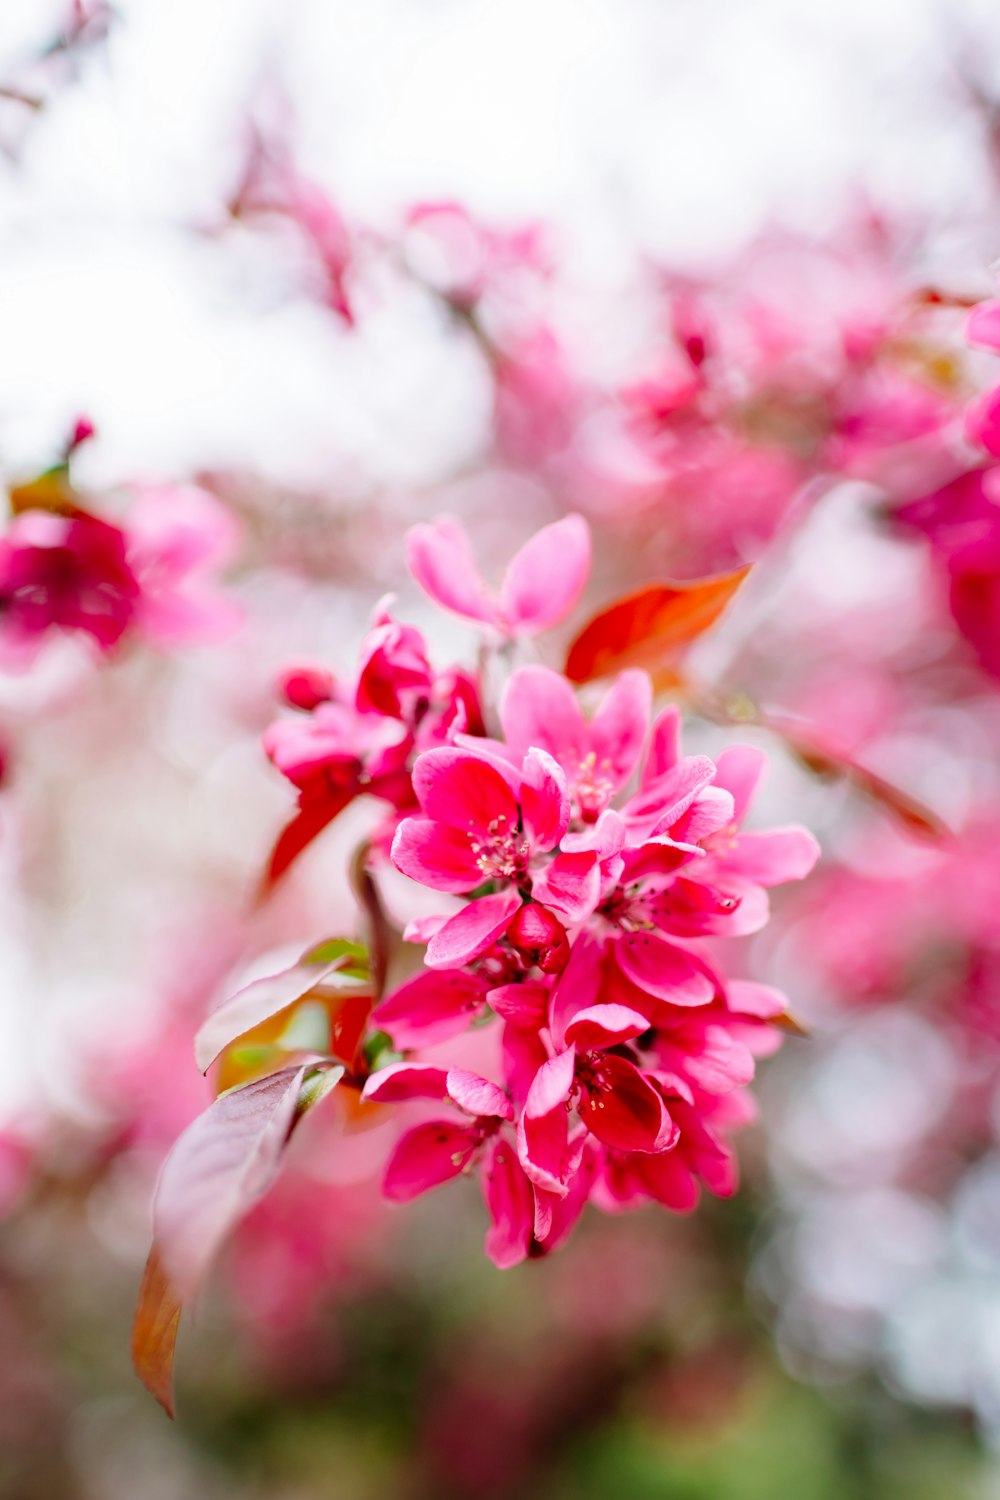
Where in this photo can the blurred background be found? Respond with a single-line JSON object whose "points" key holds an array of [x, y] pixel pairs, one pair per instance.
{"points": [[701, 272]]}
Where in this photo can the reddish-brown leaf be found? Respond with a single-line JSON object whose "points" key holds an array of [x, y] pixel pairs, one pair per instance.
{"points": [[221, 1165], [651, 627], [307, 825], [154, 1332], [267, 997]]}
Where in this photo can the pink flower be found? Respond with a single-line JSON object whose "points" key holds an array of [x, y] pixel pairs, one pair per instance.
{"points": [[616, 1101], [542, 582], [179, 537], [64, 572], [482, 820], [961, 520], [599, 755], [361, 736], [437, 1150]]}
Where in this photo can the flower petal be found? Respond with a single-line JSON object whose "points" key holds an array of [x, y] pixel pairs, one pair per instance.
{"points": [[464, 791], [441, 560], [546, 577], [430, 1008], [773, 856], [402, 1081], [570, 886], [664, 747], [478, 1096], [662, 969], [471, 931], [510, 1203], [540, 708], [436, 855], [624, 1110], [543, 1130], [605, 1026], [739, 769], [618, 729], [426, 1156], [544, 800]]}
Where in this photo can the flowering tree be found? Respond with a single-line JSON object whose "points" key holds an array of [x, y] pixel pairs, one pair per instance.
{"points": [[768, 520]]}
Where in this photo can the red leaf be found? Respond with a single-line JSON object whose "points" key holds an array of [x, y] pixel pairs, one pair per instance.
{"points": [[651, 627], [267, 997], [307, 824], [154, 1333], [221, 1165]]}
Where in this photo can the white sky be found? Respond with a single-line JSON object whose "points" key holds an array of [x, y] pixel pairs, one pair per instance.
{"points": [[672, 124]]}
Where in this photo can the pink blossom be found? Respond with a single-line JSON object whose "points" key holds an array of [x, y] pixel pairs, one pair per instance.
{"points": [[64, 572], [480, 822], [437, 1150], [542, 582]]}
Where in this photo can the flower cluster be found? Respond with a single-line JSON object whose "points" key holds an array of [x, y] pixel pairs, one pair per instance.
{"points": [[65, 569], [584, 864]]}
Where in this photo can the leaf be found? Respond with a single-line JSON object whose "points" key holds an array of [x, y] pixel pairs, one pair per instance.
{"points": [[154, 1332], [221, 1165], [332, 964], [50, 491], [651, 627], [308, 823]]}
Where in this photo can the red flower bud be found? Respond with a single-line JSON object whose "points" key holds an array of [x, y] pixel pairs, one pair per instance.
{"points": [[541, 937], [305, 687]]}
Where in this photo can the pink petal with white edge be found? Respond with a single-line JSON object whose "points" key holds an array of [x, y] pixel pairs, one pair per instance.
{"points": [[471, 931], [546, 577], [434, 855], [402, 1081], [662, 802], [463, 790], [477, 1096], [441, 560], [427, 1156], [543, 1130], [523, 1054], [544, 800], [618, 729], [710, 812], [605, 838], [540, 708], [510, 1203], [520, 1004], [662, 969], [577, 987], [773, 856], [570, 886], [664, 747], [747, 998], [422, 929], [430, 1008], [556, 1217], [739, 769], [605, 1026]]}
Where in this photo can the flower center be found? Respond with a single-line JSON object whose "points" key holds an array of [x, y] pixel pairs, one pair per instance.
{"points": [[592, 788], [501, 852]]}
